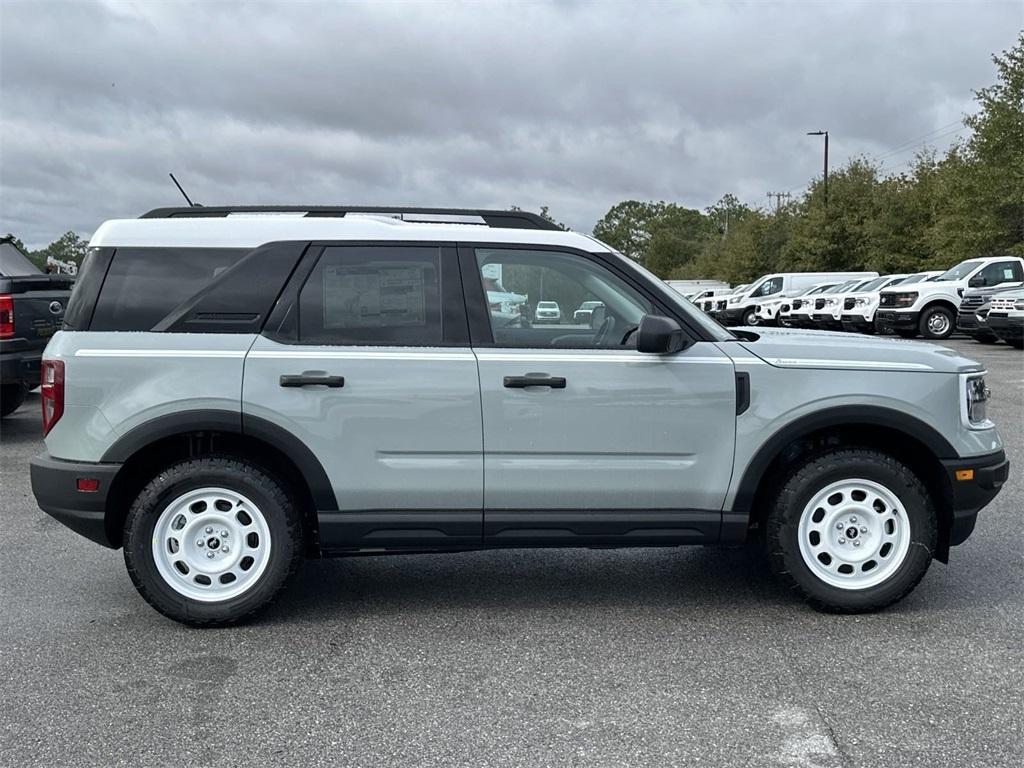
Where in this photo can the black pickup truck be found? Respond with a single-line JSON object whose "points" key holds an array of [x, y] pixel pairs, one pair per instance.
{"points": [[31, 310]]}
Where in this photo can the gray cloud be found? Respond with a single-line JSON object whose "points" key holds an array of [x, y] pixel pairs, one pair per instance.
{"points": [[571, 105]]}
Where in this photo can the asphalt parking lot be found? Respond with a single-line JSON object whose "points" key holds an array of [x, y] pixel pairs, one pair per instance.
{"points": [[550, 658]]}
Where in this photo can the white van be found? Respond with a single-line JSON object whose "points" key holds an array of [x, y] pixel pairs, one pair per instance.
{"points": [[741, 307]]}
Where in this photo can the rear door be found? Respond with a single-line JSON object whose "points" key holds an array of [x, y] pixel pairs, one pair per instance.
{"points": [[367, 362], [586, 440]]}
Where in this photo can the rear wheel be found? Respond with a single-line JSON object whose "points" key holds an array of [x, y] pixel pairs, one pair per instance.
{"points": [[210, 541], [936, 323], [1018, 343], [852, 531], [11, 398]]}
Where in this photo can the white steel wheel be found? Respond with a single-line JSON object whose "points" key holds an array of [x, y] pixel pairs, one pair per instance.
{"points": [[854, 534], [938, 324], [211, 544]]}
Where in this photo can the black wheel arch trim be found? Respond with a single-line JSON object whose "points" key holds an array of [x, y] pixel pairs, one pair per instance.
{"points": [[838, 416], [215, 420]]}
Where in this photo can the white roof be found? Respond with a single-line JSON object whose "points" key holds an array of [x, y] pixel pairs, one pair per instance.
{"points": [[249, 231]]}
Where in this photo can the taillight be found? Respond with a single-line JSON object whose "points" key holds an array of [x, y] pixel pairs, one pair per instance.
{"points": [[51, 392], [6, 317]]}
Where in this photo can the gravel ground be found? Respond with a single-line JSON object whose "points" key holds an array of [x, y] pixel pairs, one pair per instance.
{"points": [[588, 658]]}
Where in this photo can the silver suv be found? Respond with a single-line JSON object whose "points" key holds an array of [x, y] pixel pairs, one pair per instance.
{"points": [[234, 391]]}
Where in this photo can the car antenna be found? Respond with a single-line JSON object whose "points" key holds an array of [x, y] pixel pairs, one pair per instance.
{"points": [[183, 194]]}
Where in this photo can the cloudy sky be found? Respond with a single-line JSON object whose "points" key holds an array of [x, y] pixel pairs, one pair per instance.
{"points": [[573, 105]]}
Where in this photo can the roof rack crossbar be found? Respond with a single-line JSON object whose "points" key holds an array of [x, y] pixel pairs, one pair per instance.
{"points": [[490, 218]]}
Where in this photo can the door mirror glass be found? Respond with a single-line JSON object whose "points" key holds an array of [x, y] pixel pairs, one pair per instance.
{"points": [[659, 335], [977, 281]]}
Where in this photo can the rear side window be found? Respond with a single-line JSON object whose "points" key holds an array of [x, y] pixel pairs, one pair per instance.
{"points": [[144, 284], [366, 295]]}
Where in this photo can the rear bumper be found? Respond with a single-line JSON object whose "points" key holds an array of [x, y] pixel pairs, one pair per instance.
{"points": [[971, 495], [54, 484], [889, 321], [22, 366]]}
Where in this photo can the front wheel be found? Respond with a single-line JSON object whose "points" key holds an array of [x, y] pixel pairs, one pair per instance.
{"points": [[936, 323], [210, 541], [852, 530], [749, 318]]}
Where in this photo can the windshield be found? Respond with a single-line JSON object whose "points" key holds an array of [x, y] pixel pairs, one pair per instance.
{"points": [[959, 272], [841, 287], [817, 289], [871, 285]]}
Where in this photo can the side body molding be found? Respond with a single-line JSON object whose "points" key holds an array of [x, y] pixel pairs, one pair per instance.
{"points": [[212, 420]]}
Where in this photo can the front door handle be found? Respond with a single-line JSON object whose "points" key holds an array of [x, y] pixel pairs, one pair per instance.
{"points": [[535, 380], [312, 379]]}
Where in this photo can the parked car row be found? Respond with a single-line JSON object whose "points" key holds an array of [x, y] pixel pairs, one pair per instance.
{"points": [[930, 304]]}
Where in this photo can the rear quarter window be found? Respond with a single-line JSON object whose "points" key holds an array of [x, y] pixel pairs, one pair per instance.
{"points": [[143, 285]]}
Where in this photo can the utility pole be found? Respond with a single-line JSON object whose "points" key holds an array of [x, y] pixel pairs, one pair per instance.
{"points": [[825, 134], [779, 197]]}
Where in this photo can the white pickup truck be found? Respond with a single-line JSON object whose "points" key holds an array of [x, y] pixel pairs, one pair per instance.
{"points": [[930, 308]]}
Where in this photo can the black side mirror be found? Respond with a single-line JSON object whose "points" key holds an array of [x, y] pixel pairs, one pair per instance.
{"points": [[977, 281], [659, 335]]}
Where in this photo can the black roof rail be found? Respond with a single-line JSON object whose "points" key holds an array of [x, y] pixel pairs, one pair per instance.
{"points": [[504, 219]]}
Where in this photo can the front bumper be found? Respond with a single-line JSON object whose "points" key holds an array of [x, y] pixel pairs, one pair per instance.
{"points": [[826, 320], [857, 324], [732, 315], [54, 484], [890, 321], [987, 474], [1004, 326]]}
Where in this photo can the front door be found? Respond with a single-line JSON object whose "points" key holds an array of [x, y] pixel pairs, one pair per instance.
{"points": [[586, 440], [375, 375]]}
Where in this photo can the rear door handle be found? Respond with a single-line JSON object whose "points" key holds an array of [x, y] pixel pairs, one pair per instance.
{"points": [[535, 380], [311, 380]]}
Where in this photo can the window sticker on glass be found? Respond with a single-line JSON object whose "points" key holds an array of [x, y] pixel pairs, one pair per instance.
{"points": [[374, 296]]}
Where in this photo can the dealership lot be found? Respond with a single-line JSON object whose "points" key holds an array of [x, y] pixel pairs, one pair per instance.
{"points": [[574, 657]]}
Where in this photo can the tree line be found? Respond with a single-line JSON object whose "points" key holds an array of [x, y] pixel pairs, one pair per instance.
{"points": [[968, 201]]}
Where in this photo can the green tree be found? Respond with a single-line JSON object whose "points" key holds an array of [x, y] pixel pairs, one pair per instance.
{"points": [[662, 236]]}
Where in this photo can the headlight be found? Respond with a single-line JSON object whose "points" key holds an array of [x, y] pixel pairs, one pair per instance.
{"points": [[734, 300], [1019, 305], [861, 301], [976, 395], [905, 299]]}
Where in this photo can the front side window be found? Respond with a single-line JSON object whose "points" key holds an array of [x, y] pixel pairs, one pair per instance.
{"points": [[768, 287], [1000, 272], [373, 295], [550, 299]]}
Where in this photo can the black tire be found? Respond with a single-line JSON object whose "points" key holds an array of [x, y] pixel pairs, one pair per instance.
{"points": [[936, 314], [1016, 343], [283, 519], [797, 491], [985, 339], [11, 398], [903, 333], [749, 317]]}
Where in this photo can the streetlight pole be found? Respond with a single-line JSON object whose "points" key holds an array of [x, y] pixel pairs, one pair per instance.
{"points": [[825, 134]]}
